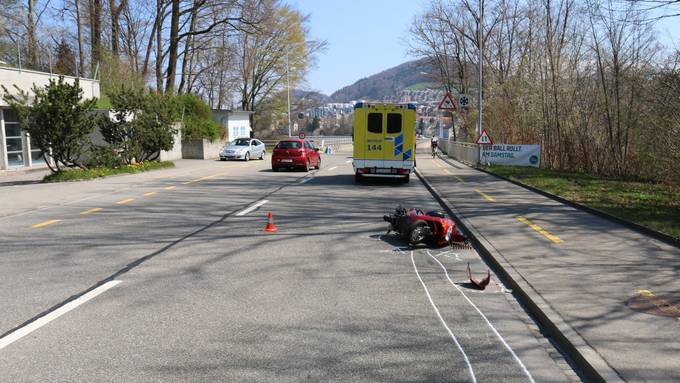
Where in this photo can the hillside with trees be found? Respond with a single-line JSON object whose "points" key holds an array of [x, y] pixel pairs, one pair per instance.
{"points": [[386, 83]]}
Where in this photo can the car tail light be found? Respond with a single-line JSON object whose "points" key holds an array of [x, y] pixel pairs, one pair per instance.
{"points": [[362, 170], [404, 171]]}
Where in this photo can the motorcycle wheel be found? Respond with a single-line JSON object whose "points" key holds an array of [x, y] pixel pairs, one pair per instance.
{"points": [[417, 232]]}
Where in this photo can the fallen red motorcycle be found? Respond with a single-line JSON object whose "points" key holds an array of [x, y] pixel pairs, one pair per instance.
{"points": [[416, 226]]}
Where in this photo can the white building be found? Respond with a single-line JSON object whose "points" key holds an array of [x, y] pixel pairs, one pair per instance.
{"points": [[15, 144], [236, 122]]}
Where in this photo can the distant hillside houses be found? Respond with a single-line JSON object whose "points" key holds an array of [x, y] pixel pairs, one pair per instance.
{"points": [[333, 109]]}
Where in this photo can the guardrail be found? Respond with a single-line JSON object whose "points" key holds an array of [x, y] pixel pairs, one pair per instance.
{"points": [[464, 152]]}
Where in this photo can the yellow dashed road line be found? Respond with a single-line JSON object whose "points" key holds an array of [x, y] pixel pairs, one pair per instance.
{"points": [[203, 179], [170, 187], [539, 229], [86, 212], [45, 223], [149, 194], [455, 176], [486, 196], [123, 202]]}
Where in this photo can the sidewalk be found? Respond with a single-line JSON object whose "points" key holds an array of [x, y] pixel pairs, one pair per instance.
{"points": [[612, 295]]}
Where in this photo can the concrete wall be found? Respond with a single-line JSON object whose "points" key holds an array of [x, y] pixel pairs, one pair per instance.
{"points": [[201, 149], [176, 152], [464, 152], [25, 79]]}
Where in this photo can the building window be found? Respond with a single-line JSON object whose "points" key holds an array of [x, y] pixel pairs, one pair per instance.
{"points": [[14, 142]]}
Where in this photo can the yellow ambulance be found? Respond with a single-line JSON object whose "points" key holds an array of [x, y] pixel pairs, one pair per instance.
{"points": [[384, 140]]}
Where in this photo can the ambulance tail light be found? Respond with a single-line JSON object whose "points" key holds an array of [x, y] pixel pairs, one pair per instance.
{"points": [[404, 171]]}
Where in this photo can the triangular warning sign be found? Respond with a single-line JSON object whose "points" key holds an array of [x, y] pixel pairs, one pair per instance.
{"points": [[484, 138], [447, 103]]}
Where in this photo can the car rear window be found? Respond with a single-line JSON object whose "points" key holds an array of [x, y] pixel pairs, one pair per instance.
{"points": [[288, 145], [375, 122], [393, 123]]}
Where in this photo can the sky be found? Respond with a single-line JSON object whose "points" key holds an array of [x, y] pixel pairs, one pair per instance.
{"points": [[381, 27], [368, 36]]}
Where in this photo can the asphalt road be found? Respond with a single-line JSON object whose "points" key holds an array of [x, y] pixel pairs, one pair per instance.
{"points": [[613, 291], [168, 276]]}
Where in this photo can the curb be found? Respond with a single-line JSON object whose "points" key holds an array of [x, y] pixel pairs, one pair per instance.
{"points": [[630, 225], [590, 365]]}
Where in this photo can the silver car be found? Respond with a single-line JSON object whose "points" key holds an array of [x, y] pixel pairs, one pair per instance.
{"points": [[243, 149]]}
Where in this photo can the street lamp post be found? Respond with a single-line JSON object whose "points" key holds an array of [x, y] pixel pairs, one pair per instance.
{"points": [[480, 45], [288, 92]]}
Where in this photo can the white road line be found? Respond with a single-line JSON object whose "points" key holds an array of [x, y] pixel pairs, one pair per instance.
{"points": [[348, 161], [23, 331], [305, 180], [507, 346], [251, 208], [455, 340], [333, 168]]}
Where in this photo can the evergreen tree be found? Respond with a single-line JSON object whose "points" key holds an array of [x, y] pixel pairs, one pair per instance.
{"points": [[65, 59]]}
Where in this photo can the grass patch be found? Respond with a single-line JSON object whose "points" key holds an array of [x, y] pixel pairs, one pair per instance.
{"points": [[103, 102], [654, 205], [92, 173]]}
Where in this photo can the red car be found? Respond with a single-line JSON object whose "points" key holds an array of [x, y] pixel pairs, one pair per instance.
{"points": [[295, 153]]}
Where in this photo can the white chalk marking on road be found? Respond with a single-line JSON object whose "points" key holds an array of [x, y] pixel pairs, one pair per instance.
{"points": [[251, 208], [38, 323], [455, 340], [348, 161], [305, 180], [448, 254], [333, 168], [507, 346]]}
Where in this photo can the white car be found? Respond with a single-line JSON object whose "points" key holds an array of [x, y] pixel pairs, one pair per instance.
{"points": [[243, 149]]}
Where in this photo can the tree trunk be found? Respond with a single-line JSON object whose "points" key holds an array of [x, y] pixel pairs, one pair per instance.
{"points": [[95, 33], [32, 40], [159, 46], [172, 49], [188, 50], [81, 43], [115, 25]]}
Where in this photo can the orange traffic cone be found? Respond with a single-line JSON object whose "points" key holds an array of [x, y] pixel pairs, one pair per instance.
{"points": [[270, 223]]}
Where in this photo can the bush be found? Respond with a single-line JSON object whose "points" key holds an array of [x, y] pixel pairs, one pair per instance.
{"points": [[103, 156], [98, 172], [142, 125], [196, 118], [59, 120]]}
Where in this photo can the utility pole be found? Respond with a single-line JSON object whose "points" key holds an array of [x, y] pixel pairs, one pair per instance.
{"points": [[480, 45], [288, 91]]}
